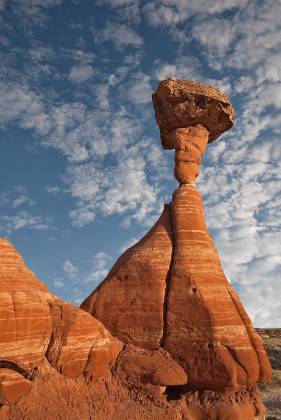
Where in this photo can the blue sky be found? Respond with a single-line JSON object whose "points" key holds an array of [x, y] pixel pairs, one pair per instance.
{"points": [[82, 173]]}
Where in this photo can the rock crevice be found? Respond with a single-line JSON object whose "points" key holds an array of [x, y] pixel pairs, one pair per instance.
{"points": [[166, 293]]}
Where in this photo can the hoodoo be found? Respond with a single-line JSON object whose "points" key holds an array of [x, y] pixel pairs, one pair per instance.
{"points": [[169, 292], [165, 324]]}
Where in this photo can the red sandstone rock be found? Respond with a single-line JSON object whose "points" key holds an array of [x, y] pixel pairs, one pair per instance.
{"points": [[213, 338], [190, 144], [205, 328], [54, 396], [12, 386], [35, 325], [142, 368], [210, 338], [134, 290], [184, 103], [25, 324], [167, 298], [78, 338]]}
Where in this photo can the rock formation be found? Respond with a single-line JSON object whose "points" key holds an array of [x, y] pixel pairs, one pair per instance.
{"points": [[169, 290], [164, 325], [36, 326]]}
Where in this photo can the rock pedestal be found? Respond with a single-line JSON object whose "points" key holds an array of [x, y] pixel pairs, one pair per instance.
{"points": [[169, 290]]}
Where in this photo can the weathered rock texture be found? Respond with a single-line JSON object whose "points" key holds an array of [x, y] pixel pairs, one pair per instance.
{"points": [[169, 291], [207, 330], [54, 396], [134, 290], [79, 371], [184, 103], [35, 325]]}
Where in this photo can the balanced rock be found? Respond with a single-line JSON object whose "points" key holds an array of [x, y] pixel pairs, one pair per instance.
{"points": [[169, 290], [165, 316], [212, 338], [36, 326]]}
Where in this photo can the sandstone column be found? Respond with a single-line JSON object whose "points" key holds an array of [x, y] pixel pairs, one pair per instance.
{"points": [[207, 330], [168, 293]]}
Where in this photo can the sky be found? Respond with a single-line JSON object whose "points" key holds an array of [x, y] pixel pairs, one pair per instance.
{"points": [[82, 173]]}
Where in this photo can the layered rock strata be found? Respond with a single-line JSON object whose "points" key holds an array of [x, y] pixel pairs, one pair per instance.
{"points": [[36, 326], [171, 284], [134, 290]]}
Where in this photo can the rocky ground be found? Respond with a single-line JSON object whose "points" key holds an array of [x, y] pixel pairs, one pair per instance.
{"points": [[109, 399], [271, 392]]}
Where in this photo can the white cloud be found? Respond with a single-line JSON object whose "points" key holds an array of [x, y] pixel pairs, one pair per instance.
{"points": [[139, 89], [161, 14], [262, 301], [270, 69], [52, 189], [82, 215], [99, 269], [66, 121], [214, 33], [258, 34], [41, 53], [85, 135], [118, 190], [17, 196], [23, 220], [58, 283], [181, 68], [19, 103], [71, 270], [22, 199], [128, 10], [242, 41], [172, 12], [81, 73], [78, 278], [33, 10], [241, 189], [77, 55], [121, 36]]}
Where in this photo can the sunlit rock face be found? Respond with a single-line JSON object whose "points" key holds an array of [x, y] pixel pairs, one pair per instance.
{"points": [[169, 290], [35, 326], [130, 300]]}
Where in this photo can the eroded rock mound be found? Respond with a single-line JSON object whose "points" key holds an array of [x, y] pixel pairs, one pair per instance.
{"points": [[36, 325]]}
